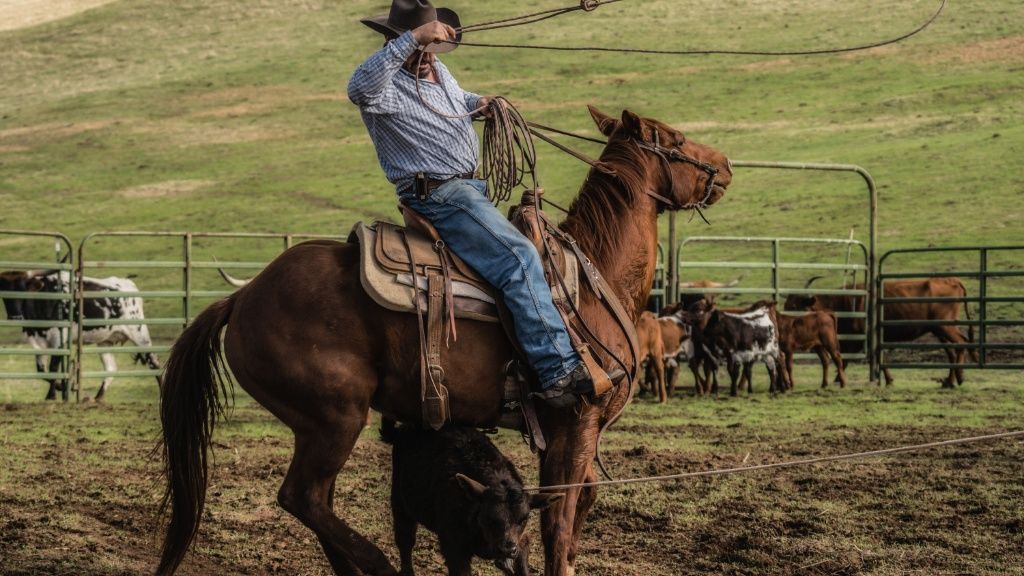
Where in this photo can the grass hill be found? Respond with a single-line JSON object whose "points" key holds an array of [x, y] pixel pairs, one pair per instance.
{"points": [[232, 116]]}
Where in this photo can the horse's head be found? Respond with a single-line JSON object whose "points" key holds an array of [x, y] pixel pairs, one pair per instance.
{"points": [[686, 174]]}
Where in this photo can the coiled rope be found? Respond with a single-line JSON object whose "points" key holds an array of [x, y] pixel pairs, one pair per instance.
{"points": [[508, 152]]}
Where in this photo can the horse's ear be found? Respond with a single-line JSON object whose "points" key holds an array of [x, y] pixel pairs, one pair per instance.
{"points": [[605, 123], [633, 124]]}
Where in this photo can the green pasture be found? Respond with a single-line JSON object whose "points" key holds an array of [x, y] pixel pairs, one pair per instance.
{"points": [[232, 116]]}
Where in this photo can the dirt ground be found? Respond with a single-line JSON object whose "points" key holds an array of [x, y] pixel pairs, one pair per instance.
{"points": [[16, 14], [79, 487]]}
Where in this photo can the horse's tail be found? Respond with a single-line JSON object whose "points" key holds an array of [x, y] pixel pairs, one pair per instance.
{"points": [[195, 390], [970, 327]]}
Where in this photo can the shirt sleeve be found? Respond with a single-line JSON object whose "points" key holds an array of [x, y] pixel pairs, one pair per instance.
{"points": [[472, 100], [371, 86]]}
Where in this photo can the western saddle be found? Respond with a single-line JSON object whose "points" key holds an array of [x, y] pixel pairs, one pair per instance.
{"points": [[410, 269]]}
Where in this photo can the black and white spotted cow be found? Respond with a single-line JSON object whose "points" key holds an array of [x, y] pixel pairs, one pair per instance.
{"points": [[739, 340], [113, 308]]}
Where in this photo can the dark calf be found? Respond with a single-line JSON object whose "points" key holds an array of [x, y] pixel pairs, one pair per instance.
{"points": [[459, 486]]}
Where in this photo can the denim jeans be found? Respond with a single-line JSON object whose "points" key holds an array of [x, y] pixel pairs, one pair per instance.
{"points": [[481, 235]]}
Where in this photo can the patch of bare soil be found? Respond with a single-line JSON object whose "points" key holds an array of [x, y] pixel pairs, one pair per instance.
{"points": [[1000, 50], [85, 503], [16, 14], [161, 189]]}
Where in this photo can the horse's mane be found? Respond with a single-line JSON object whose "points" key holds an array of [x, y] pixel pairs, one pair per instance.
{"points": [[602, 195]]}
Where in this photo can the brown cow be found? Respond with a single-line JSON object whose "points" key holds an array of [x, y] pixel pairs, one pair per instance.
{"points": [[652, 350], [814, 331], [677, 346], [948, 287]]}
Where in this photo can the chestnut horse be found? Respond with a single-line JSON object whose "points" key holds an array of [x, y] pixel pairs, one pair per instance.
{"points": [[306, 341]]}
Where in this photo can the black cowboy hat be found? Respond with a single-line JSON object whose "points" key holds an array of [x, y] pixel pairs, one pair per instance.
{"points": [[409, 14]]}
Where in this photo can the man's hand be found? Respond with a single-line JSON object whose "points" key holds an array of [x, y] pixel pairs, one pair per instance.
{"points": [[432, 32], [485, 103]]}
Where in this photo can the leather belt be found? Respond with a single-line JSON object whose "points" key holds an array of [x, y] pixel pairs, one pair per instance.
{"points": [[423, 184]]}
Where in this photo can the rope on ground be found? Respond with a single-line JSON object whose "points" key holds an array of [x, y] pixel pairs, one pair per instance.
{"points": [[791, 463], [625, 50]]}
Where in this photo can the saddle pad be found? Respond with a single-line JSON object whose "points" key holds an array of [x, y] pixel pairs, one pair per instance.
{"points": [[392, 289]]}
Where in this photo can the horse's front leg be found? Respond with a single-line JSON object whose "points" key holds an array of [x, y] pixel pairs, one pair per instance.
{"points": [[571, 450], [584, 503]]}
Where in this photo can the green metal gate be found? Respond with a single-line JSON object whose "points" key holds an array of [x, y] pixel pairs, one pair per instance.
{"points": [[997, 280], [855, 268], [34, 245], [176, 286]]}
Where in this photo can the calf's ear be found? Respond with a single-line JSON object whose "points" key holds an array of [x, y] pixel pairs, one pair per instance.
{"points": [[471, 487], [542, 501]]}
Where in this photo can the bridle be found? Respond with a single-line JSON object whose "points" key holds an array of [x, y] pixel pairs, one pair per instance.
{"points": [[668, 155]]}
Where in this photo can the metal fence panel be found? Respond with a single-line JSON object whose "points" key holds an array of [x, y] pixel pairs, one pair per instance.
{"points": [[34, 244], [1008, 267], [172, 290], [858, 268]]}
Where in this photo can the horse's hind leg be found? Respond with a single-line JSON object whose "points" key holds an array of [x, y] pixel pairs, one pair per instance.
{"points": [[307, 493]]}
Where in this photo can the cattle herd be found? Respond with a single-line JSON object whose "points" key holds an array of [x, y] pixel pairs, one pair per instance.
{"points": [[695, 332], [704, 336]]}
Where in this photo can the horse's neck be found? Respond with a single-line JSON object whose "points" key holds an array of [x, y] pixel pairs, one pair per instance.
{"points": [[624, 247]]}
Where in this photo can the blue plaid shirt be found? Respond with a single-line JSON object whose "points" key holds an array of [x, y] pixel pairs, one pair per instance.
{"points": [[409, 137]]}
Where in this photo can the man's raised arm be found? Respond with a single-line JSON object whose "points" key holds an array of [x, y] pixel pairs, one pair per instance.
{"points": [[370, 84]]}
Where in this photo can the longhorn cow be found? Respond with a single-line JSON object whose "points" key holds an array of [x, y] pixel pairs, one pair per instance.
{"points": [[113, 308]]}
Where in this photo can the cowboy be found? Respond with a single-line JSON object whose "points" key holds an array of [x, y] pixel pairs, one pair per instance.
{"points": [[420, 122]]}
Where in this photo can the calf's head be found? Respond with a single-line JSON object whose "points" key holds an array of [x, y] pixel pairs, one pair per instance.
{"points": [[796, 302], [499, 513], [701, 315]]}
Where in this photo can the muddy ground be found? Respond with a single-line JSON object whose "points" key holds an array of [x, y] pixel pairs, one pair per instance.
{"points": [[79, 487]]}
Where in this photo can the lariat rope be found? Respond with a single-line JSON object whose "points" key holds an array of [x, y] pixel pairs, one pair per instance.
{"points": [[789, 464], [590, 5], [584, 5]]}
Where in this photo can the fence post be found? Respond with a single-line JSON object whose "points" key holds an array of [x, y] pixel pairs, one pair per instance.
{"points": [[672, 266], [775, 269], [982, 307], [187, 279]]}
